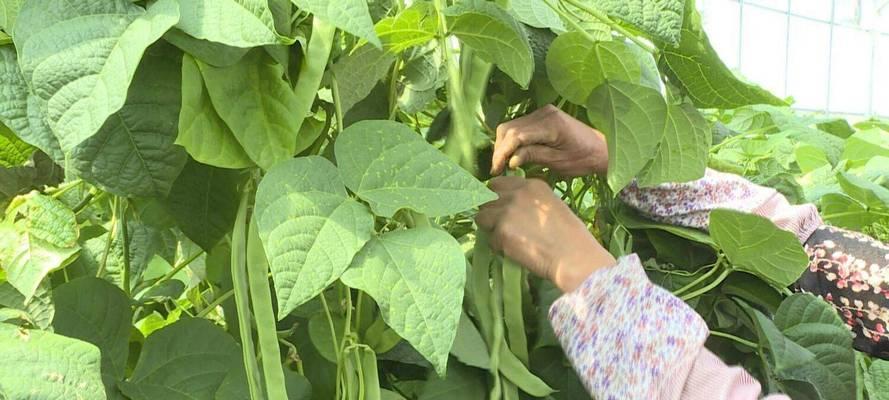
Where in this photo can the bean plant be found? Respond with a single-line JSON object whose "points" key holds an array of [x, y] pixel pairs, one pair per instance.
{"points": [[274, 199]]}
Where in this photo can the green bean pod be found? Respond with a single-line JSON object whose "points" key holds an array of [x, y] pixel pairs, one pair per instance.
{"points": [[516, 372], [242, 300], [311, 69], [513, 280], [257, 274]]}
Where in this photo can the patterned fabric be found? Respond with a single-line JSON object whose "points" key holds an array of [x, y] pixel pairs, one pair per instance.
{"points": [[626, 337], [851, 272], [689, 204]]}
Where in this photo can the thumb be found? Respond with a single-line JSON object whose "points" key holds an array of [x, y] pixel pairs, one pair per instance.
{"points": [[535, 153]]}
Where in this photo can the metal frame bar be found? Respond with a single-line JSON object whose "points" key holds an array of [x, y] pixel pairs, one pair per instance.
{"points": [[875, 33]]}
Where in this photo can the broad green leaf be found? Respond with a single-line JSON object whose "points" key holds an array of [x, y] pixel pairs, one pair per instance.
{"points": [[133, 153], [551, 365], [391, 167], [422, 77], [80, 59], [321, 336], [754, 244], [46, 241], [9, 10], [349, 15], [39, 311], [213, 53], [684, 150], [864, 146], [357, 74], [844, 211], [238, 23], [13, 151], [204, 202], [575, 65], [415, 26], [696, 69], [462, 382], [190, 359], [873, 196], [202, 132], [838, 127], [810, 158], [661, 19], [633, 118], [416, 277], [44, 365], [469, 346], [878, 380], [536, 13], [309, 227], [808, 345], [19, 109], [257, 104], [495, 36], [145, 241], [97, 312]]}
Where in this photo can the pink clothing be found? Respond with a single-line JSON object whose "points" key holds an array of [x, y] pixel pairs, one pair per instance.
{"points": [[630, 339]]}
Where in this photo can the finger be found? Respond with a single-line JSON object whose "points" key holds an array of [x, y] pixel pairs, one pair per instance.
{"points": [[505, 184], [488, 215], [515, 136], [496, 243], [534, 153]]}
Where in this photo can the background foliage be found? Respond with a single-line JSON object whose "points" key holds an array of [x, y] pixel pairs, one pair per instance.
{"points": [[235, 199]]}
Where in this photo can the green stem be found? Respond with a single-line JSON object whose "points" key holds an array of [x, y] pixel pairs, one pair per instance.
{"points": [[83, 202], [571, 21], [109, 239], [261, 297], [614, 25], [219, 300], [64, 188], [242, 299], [337, 102], [393, 88], [171, 273], [360, 366], [709, 287], [124, 236], [333, 342], [700, 279], [736, 339]]}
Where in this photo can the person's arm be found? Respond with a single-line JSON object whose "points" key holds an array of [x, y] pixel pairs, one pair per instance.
{"points": [[626, 337]]}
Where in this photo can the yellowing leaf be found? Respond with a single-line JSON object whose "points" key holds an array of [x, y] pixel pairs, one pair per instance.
{"points": [[45, 240]]}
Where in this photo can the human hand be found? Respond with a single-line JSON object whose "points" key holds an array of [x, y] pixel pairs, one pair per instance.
{"points": [[530, 225], [552, 138]]}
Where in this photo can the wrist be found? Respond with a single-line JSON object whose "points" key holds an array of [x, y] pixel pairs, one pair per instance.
{"points": [[578, 263]]}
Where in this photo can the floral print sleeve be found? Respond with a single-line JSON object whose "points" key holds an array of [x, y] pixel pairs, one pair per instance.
{"points": [[689, 204], [630, 339]]}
